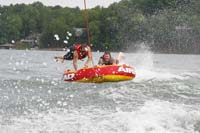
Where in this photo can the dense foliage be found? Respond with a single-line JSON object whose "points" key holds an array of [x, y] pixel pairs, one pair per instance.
{"points": [[169, 26]]}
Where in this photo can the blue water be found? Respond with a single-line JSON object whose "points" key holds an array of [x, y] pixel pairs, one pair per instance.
{"points": [[164, 96]]}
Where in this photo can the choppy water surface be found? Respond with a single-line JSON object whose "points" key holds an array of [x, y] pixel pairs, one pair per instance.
{"points": [[164, 97]]}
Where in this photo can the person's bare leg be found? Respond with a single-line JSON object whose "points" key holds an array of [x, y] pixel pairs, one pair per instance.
{"points": [[120, 57]]}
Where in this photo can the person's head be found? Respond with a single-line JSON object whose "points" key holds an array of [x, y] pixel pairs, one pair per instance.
{"points": [[106, 56]]}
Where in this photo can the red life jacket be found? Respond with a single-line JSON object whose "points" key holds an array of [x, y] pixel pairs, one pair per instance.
{"points": [[81, 53]]}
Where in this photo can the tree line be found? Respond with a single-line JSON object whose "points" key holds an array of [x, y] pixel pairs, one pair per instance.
{"points": [[164, 26]]}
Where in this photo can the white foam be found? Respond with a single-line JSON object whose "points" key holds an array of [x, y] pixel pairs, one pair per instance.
{"points": [[191, 74], [146, 70], [146, 74], [153, 117], [159, 117]]}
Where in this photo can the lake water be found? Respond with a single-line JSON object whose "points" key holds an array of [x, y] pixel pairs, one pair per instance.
{"points": [[163, 98]]}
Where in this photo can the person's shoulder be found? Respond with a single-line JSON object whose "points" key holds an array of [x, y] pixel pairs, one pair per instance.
{"points": [[89, 48], [113, 59], [77, 46]]}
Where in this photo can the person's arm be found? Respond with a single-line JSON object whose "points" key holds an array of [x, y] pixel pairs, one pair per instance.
{"points": [[100, 61], [89, 58], [75, 59]]}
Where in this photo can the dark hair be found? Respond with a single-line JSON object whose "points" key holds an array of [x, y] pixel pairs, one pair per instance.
{"points": [[107, 52]]}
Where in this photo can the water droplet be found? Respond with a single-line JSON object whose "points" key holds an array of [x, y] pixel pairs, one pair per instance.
{"points": [[49, 91], [28, 77], [59, 102], [44, 64], [65, 103], [17, 63], [71, 96]]}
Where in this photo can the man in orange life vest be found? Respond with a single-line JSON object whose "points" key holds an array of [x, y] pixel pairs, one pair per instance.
{"points": [[77, 51]]}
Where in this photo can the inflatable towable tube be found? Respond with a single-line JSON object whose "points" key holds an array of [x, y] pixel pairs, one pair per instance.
{"points": [[98, 74]]}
